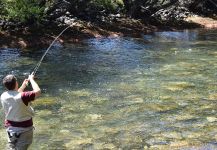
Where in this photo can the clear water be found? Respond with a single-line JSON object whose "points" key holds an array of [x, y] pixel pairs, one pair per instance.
{"points": [[158, 92]]}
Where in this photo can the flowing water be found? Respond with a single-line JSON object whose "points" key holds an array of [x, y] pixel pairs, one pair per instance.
{"points": [[156, 92]]}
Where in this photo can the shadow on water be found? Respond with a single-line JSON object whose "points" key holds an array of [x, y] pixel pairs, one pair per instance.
{"points": [[158, 92]]}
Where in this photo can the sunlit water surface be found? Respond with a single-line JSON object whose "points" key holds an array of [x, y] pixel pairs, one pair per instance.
{"points": [[158, 92]]}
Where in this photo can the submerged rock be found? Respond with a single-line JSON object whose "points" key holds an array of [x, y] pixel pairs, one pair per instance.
{"points": [[213, 53], [165, 97], [211, 119], [177, 86], [171, 135], [181, 65], [78, 143], [108, 146], [42, 113], [162, 107], [80, 93], [191, 135], [157, 141], [93, 117], [45, 101], [173, 145], [212, 96], [179, 144], [65, 132], [184, 117], [134, 99]]}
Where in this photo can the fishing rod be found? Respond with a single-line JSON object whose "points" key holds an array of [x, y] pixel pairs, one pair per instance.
{"points": [[40, 61]]}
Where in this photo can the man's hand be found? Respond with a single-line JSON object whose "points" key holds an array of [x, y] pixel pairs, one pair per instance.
{"points": [[35, 86], [24, 85], [31, 76]]}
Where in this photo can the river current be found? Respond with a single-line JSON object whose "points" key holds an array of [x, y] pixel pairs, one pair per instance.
{"points": [[155, 92]]}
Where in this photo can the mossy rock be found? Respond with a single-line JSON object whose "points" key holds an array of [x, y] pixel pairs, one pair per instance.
{"points": [[187, 65], [76, 143], [184, 117], [108, 146], [134, 99], [45, 101], [171, 135], [123, 87], [177, 86], [79, 93], [192, 96], [126, 87], [156, 141], [191, 135], [180, 65], [163, 97], [211, 119], [42, 113], [174, 49], [51, 103], [93, 117], [213, 53], [162, 107], [98, 99], [174, 142], [212, 96]]}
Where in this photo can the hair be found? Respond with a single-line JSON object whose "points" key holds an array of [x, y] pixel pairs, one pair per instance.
{"points": [[10, 82]]}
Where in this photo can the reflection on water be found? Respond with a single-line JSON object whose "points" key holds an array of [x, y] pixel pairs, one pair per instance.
{"points": [[170, 36], [158, 92]]}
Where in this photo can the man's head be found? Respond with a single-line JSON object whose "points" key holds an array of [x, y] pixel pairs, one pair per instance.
{"points": [[10, 82]]}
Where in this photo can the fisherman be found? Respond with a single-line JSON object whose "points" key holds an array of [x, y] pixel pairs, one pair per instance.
{"points": [[18, 112]]}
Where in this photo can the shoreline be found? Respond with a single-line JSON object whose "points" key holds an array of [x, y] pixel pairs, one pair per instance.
{"points": [[42, 37]]}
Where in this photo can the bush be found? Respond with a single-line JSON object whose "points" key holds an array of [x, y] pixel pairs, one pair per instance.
{"points": [[109, 5], [25, 11]]}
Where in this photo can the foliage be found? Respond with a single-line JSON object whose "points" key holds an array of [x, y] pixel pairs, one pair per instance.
{"points": [[109, 5], [34, 11], [26, 11]]}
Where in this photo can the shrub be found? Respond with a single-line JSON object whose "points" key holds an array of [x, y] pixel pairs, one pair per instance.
{"points": [[109, 5], [26, 11]]}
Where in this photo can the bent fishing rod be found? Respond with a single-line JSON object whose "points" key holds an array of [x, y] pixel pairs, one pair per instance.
{"points": [[40, 61]]}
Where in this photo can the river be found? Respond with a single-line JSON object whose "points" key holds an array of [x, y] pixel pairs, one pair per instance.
{"points": [[155, 92]]}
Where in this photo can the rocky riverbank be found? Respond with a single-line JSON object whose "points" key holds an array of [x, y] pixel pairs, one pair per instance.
{"points": [[27, 28], [39, 37]]}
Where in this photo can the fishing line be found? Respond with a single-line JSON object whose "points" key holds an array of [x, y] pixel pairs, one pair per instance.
{"points": [[40, 61]]}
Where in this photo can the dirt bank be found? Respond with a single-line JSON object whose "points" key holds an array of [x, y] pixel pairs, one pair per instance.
{"points": [[41, 37], [203, 21]]}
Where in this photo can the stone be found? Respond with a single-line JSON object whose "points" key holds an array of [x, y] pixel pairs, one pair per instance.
{"points": [[211, 119], [75, 143], [79, 93], [93, 117], [45, 101], [212, 96], [177, 86]]}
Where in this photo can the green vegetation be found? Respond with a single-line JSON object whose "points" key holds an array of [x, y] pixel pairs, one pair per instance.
{"points": [[26, 11], [35, 11], [109, 5]]}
